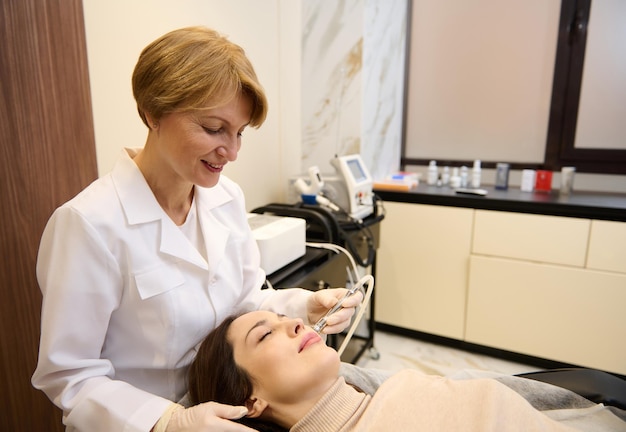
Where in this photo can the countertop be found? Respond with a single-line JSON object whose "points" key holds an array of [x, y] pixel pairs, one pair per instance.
{"points": [[588, 205]]}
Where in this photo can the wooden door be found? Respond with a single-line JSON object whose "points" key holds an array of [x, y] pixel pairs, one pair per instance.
{"points": [[47, 155]]}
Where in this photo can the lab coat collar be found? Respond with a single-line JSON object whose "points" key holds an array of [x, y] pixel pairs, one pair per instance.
{"points": [[215, 233], [136, 197], [140, 206]]}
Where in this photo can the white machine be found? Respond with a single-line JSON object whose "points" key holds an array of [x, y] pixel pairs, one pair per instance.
{"points": [[358, 183], [348, 190], [281, 240]]}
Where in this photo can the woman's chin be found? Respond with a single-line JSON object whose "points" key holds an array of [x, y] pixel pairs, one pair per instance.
{"points": [[208, 183]]}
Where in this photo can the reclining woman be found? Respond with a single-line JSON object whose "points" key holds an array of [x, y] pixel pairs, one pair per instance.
{"points": [[285, 374]]}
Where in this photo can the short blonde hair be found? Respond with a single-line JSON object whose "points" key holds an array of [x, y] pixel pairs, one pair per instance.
{"points": [[194, 68]]}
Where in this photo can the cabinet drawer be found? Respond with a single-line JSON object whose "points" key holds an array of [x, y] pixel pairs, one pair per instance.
{"points": [[560, 313], [549, 239], [421, 268], [607, 246]]}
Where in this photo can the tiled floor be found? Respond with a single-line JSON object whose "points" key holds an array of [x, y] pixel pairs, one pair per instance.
{"points": [[398, 352]]}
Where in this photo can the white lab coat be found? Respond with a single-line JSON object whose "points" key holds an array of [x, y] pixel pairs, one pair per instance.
{"points": [[127, 298]]}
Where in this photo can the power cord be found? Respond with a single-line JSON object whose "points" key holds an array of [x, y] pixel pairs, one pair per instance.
{"points": [[355, 223], [365, 280]]}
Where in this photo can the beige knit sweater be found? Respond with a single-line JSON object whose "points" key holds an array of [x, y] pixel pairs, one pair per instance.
{"points": [[411, 401]]}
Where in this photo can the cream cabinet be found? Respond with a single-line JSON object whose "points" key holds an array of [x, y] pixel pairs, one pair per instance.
{"points": [[557, 240], [546, 286], [561, 313], [607, 246], [422, 263]]}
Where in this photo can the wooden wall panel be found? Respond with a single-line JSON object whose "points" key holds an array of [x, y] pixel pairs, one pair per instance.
{"points": [[47, 155]]}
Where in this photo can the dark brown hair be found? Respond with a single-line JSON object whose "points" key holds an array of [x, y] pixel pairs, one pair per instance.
{"points": [[214, 376]]}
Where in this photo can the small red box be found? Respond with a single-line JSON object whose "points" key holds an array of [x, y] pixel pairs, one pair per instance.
{"points": [[543, 181]]}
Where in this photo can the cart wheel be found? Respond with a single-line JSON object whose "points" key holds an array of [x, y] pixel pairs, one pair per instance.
{"points": [[374, 354]]}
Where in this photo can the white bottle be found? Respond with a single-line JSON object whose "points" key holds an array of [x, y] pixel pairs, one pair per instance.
{"points": [[464, 176], [433, 175], [445, 176], [528, 180], [476, 174], [455, 178]]}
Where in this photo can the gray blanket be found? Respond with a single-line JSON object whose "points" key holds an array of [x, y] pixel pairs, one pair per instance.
{"points": [[558, 403]]}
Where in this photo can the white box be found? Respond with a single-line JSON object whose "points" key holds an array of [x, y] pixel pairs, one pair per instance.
{"points": [[281, 240]]}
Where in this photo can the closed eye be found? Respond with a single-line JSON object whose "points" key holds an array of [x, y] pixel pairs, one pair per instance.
{"points": [[218, 131], [212, 131], [261, 323]]}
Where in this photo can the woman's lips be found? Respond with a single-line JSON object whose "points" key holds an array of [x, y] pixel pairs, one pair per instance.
{"points": [[212, 167], [309, 339]]}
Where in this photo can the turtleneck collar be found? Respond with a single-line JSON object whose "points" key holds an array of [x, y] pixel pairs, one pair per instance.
{"points": [[341, 406]]}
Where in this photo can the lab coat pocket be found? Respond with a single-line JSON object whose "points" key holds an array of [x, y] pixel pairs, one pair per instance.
{"points": [[158, 280]]}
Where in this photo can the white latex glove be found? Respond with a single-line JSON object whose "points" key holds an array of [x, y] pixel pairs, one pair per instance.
{"points": [[209, 416], [321, 301]]}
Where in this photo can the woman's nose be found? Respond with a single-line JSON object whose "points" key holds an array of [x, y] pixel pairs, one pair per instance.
{"points": [[230, 148], [295, 326]]}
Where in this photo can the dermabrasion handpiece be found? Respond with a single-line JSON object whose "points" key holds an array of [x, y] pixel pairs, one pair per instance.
{"points": [[319, 326]]}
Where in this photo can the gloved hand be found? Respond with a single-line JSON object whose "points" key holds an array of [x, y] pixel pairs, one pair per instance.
{"points": [[206, 417], [321, 301]]}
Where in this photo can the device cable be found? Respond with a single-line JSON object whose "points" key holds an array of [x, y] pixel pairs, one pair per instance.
{"points": [[362, 282]]}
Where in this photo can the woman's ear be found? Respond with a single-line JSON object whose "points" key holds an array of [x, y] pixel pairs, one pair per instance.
{"points": [[152, 122], [255, 407]]}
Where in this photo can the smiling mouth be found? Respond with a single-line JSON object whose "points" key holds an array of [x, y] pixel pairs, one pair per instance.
{"points": [[213, 167]]}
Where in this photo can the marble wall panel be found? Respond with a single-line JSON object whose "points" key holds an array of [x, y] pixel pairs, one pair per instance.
{"points": [[332, 45], [353, 82], [384, 48]]}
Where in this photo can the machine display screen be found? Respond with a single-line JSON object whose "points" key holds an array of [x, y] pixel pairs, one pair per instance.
{"points": [[356, 170], [358, 185]]}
